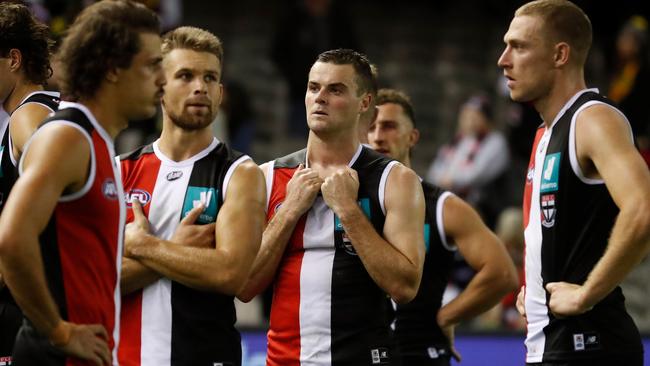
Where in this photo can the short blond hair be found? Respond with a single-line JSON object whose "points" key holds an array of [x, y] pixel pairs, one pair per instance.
{"points": [[192, 38], [563, 22]]}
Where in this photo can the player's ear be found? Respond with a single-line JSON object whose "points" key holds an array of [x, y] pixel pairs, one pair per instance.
{"points": [[16, 58], [561, 54], [366, 99], [113, 75], [414, 137]]}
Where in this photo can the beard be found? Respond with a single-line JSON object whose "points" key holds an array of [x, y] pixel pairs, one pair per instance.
{"points": [[191, 122]]}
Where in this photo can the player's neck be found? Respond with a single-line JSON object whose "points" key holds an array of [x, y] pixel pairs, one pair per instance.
{"points": [[178, 144], [562, 91], [106, 114], [406, 161], [20, 92], [363, 132], [331, 152]]}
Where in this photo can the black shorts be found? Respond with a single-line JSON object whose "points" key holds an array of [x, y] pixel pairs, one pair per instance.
{"points": [[635, 359], [10, 320], [32, 349]]}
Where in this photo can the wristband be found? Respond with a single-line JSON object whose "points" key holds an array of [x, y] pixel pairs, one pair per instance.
{"points": [[60, 336]]}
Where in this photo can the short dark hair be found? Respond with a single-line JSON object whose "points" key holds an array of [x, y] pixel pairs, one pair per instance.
{"points": [[105, 36], [385, 96], [192, 38], [20, 30], [564, 22], [366, 79]]}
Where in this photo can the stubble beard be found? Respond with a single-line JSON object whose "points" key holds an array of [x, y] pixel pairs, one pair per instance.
{"points": [[188, 122]]}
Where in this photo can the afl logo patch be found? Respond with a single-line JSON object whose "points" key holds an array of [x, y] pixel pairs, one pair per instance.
{"points": [[109, 189], [137, 194], [174, 175], [277, 207]]}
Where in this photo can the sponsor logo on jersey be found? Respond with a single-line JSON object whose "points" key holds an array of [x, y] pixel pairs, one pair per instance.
{"points": [[433, 352], [109, 189], [341, 238], [586, 341], [174, 175], [137, 194], [579, 342], [592, 341], [206, 196], [548, 210], [380, 356], [550, 173]]}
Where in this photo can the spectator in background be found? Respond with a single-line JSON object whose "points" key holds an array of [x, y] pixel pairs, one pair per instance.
{"points": [[630, 83], [472, 164], [309, 28]]}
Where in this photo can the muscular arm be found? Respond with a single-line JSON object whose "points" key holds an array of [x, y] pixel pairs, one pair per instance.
{"points": [[238, 233], [135, 275], [395, 260], [58, 160], [301, 192], [23, 123], [605, 149], [484, 252]]}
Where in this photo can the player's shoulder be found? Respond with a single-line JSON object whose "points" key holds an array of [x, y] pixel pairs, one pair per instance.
{"points": [[291, 160], [137, 153]]}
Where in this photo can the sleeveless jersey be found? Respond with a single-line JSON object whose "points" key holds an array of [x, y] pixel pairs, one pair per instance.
{"points": [[8, 163], [419, 338], [82, 243], [568, 219], [167, 323], [326, 308], [8, 176]]}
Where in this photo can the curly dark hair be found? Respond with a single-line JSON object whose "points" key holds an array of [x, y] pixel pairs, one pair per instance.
{"points": [[21, 31], [366, 79], [105, 36]]}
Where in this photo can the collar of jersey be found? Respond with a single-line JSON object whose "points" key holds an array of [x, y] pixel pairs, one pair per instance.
{"points": [[352, 161], [570, 103], [189, 161]]}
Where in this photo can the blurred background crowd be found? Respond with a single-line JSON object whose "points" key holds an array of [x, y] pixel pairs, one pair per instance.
{"points": [[474, 140]]}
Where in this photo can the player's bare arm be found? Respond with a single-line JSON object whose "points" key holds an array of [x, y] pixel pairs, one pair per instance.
{"points": [[605, 149], [56, 163], [302, 190], [484, 252], [135, 275], [394, 261], [486, 255], [238, 234], [23, 123]]}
